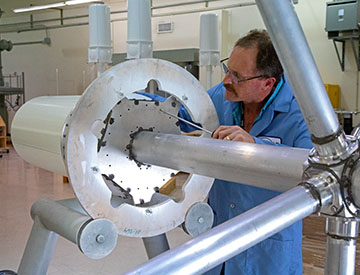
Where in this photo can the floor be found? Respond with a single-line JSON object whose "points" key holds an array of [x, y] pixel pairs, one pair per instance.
{"points": [[21, 184]]}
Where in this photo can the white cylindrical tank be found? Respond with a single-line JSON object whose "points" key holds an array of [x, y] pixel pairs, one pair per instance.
{"points": [[99, 34], [37, 131], [139, 42], [209, 40]]}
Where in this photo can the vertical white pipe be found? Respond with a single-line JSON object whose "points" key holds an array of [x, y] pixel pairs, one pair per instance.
{"points": [[139, 41], [99, 37], [209, 45]]}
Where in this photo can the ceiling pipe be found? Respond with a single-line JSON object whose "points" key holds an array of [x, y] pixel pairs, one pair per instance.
{"points": [[35, 28]]}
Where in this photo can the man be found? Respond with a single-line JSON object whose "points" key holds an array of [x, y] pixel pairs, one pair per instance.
{"points": [[255, 104]]}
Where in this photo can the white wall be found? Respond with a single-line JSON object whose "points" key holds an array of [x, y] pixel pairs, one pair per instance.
{"points": [[68, 51]]}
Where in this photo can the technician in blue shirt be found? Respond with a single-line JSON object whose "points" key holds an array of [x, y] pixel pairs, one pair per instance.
{"points": [[255, 104]]}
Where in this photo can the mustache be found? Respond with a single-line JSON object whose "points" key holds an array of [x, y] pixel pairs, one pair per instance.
{"points": [[229, 87]]}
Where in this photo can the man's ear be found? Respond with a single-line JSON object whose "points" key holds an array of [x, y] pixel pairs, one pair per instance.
{"points": [[269, 83]]}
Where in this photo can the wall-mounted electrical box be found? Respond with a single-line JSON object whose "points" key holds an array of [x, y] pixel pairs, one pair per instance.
{"points": [[342, 24], [342, 16]]}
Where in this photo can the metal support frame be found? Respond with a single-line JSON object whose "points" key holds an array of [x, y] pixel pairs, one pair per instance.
{"points": [[329, 174], [328, 184], [356, 53], [342, 58], [156, 245], [341, 245], [95, 238], [236, 235]]}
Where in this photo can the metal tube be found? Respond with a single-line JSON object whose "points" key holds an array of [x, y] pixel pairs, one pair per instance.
{"points": [[74, 204], [156, 245], [234, 236], [44, 27], [290, 43], [271, 167], [95, 238], [204, 9], [341, 245], [340, 256], [52, 215], [182, 4], [113, 12], [28, 43], [38, 251]]}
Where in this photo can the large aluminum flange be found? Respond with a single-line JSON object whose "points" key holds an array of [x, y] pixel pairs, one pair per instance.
{"points": [[104, 178]]}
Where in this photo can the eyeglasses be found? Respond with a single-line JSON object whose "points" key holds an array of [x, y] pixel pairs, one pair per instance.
{"points": [[235, 78]]}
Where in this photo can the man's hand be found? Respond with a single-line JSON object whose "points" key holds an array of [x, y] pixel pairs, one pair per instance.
{"points": [[234, 133]]}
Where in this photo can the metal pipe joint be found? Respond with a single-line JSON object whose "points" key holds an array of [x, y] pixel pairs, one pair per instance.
{"points": [[340, 178], [334, 149]]}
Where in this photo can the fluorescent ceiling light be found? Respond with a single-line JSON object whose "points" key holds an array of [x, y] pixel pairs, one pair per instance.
{"points": [[42, 7], [77, 2], [55, 5]]}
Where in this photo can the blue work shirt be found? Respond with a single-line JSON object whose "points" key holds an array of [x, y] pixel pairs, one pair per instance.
{"points": [[281, 123]]}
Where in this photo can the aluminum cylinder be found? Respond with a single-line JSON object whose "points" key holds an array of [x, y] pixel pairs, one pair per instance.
{"points": [[271, 167], [234, 236], [341, 245], [340, 256], [294, 53]]}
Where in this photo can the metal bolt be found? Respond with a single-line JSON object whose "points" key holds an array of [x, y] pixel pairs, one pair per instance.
{"points": [[329, 179], [200, 220], [95, 169], [100, 238]]}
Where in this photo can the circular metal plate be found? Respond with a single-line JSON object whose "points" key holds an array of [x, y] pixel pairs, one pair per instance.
{"points": [[98, 238], [86, 166]]}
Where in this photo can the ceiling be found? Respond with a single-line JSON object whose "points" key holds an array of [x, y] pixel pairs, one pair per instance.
{"points": [[8, 5]]}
